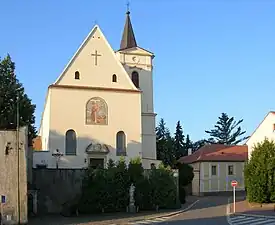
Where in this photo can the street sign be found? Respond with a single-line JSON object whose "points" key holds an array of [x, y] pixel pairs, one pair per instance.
{"points": [[3, 199], [234, 183]]}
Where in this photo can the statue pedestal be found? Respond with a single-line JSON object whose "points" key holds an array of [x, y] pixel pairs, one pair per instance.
{"points": [[132, 208]]}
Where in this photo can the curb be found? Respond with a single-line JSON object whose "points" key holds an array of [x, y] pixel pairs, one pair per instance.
{"points": [[170, 215]]}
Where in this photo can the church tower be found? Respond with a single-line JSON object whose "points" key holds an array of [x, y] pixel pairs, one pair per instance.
{"points": [[138, 62]]}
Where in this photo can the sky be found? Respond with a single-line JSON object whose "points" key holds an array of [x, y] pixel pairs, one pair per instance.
{"points": [[212, 56]]}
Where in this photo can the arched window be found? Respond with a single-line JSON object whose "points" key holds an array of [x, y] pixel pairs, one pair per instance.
{"points": [[120, 144], [135, 79], [96, 112], [70, 142], [114, 78], [76, 75]]}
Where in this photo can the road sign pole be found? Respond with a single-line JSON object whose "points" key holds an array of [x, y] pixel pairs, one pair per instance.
{"points": [[234, 199]]}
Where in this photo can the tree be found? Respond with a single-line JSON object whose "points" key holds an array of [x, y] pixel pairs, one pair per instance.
{"points": [[12, 93], [188, 144], [227, 131], [164, 141], [179, 142], [198, 144], [260, 173]]}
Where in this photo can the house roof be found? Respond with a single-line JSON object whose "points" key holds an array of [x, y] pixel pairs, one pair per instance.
{"points": [[217, 152]]}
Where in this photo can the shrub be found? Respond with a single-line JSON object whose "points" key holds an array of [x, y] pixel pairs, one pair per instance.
{"points": [[260, 173], [107, 190]]}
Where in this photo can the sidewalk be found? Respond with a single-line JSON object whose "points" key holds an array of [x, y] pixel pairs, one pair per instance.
{"points": [[108, 218], [243, 207]]}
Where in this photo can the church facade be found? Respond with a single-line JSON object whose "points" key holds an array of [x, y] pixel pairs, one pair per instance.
{"points": [[101, 106]]}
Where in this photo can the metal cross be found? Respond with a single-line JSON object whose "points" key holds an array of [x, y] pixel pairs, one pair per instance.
{"points": [[128, 6], [96, 55]]}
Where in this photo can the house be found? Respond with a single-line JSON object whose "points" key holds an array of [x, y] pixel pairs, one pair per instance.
{"points": [[266, 129], [100, 107], [215, 166]]}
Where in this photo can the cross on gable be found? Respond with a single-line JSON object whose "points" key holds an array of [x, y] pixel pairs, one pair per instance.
{"points": [[95, 55]]}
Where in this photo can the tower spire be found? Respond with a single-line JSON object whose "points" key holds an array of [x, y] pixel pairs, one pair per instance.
{"points": [[128, 38]]}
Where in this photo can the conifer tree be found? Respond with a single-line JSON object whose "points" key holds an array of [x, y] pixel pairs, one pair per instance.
{"points": [[179, 141], [12, 93], [164, 144], [227, 131]]}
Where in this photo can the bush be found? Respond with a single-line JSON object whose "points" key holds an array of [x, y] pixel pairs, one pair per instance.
{"points": [[107, 190], [260, 173]]}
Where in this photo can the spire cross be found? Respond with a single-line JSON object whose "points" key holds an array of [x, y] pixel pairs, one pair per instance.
{"points": [[128, 6]]}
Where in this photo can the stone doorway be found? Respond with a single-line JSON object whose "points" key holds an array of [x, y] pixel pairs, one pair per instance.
{"points": [[96, 163]]}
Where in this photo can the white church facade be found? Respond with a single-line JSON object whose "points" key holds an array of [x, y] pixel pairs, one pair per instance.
{"points": [[101, 106]]}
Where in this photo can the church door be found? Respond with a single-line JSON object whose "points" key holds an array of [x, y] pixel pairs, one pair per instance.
{"points": [[96, 163]]}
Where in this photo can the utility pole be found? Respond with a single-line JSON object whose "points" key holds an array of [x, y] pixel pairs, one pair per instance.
{"points": [[18, 156]]}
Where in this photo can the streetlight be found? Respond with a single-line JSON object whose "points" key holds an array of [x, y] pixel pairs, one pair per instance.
{"points": [[57, 155], [176, 176]]}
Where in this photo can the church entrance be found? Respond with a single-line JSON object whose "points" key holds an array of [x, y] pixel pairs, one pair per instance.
{"points": [[96, 163]]}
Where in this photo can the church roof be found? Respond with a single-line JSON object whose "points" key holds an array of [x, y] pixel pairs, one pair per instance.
{"points": [[128, 37]]}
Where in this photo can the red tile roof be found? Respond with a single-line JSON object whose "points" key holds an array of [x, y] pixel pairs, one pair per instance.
{"points": [[217, 152]]}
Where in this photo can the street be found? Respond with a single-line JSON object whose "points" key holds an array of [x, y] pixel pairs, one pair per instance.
{"points": [[208, 211]]}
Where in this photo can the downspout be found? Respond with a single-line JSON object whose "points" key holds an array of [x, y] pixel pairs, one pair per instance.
{"points": [[199, 178]]}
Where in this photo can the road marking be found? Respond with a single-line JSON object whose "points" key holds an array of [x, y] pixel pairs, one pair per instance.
{"points": [[249, 220]]}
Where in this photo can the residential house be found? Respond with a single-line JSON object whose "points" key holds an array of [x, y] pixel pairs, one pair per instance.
{"points": [[266, 129], [215, 166]]}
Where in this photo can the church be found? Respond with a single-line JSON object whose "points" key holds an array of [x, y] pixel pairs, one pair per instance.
{"points": [[100, 107]]}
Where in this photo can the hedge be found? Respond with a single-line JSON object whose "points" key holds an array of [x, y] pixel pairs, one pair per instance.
{"points": [[107, 190], [260, 173]]}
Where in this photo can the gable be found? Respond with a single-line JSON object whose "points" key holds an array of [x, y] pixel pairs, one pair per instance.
{"points": [[137, 51], [96, 63], [264, 130]]}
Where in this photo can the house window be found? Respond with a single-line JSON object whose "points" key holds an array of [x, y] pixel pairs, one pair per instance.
{"points": [[70, 143], [274, 127], [76, 75], [114, 78], [120, 144], [230, 170], [135, 79], [213, 170]]}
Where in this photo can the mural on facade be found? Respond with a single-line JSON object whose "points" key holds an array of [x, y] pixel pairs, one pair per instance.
{"points": [[96, 112]]}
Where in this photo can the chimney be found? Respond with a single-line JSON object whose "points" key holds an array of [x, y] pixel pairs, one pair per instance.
{"points": [[189, 151]]}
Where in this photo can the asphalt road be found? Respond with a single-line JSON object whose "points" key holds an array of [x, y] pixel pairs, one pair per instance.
{"points": [[208, 211]]}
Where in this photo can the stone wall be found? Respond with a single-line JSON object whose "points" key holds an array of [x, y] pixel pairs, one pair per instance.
{"points": [[9, 174], [56, 187]]}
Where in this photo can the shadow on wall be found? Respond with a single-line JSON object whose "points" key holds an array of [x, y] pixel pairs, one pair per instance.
{"points": [[80, 159]]}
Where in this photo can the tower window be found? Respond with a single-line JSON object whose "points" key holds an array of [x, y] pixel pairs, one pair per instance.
{"points": [[76, 75], [114, 78], [135, 78]]}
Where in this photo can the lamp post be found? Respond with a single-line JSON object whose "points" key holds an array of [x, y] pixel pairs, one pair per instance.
{"points": [[57, 155], [18, 156], [176, 176]]}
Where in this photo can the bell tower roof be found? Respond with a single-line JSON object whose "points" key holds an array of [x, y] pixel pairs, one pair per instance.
{"points": [[128, 37]]}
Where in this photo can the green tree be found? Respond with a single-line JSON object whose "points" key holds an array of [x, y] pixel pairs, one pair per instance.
{"points": [[260, 173], [164, 143], [188, 144], [12, 93], [179, 141], [227, 131]]}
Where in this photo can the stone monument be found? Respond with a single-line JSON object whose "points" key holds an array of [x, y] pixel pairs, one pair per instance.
{"points": [[132, 207]]}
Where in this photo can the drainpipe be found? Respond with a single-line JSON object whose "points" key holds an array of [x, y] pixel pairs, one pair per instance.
{"points": [[199, 178]]}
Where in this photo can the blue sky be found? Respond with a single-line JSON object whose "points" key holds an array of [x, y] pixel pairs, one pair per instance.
{"points": [[211, 56]]}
